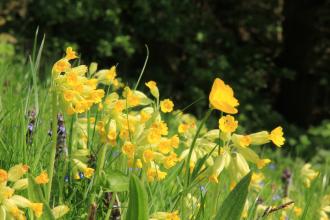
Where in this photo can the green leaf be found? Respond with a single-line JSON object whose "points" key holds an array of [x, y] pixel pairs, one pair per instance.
{"points": [[36, 195], [116, 181], [232, 207], [138, 201]]}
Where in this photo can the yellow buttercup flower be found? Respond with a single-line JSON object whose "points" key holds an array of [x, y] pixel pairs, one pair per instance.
{"points": [[222, 97], [227, 124], [166, 105], [42, 178], [276, 136]]}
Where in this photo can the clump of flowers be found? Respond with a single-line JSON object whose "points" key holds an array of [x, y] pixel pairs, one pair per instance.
{"points": [[11, 204], [77, 92], [234, 150], [133, 122]]}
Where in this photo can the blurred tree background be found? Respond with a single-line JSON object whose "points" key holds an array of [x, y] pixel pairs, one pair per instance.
{"points": [[275, 53]]}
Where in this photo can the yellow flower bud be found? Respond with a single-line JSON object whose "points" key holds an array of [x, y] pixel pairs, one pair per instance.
{"points": [[60, 211]]}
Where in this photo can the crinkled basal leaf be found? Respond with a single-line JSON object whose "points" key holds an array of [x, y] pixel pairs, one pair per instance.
{"points": [[138, 201], [232, 207]]}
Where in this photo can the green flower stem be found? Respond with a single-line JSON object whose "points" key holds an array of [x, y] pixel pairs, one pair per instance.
{"points": [[100, 163], [193, 143], [53, 146]]}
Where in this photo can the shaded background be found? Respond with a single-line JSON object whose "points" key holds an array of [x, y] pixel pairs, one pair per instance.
{"points": [[274, 53]]}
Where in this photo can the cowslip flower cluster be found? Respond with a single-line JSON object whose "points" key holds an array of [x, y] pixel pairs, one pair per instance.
{"points": [[80, 154], [77, 92], [165, 216], [11, 204], [234, 150], [133, 122], [308, 174]]}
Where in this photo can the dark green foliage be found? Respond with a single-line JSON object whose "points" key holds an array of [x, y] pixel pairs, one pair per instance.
{"points": [[273, 53], [232, 206]]}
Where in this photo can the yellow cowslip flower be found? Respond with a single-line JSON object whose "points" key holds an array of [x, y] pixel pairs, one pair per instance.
{"points": [[220, 162], [276, 136], [256, 179], [297, 211], [3, 176], [259, 138], [148, 155], [60, 211], [92, 68], [262, 163], [222, 97], [6, 192], [325, 207], [244, 140], [128, 149], [70, 54], [88, 172], [78, 165], [238, 166], [166, 105], [152, 85], [144, 116], [154, 136], [154, 173], [175, 141], [61, 66], [16, 172], [308, 174], [183, 128], [165, 216], [42, 178], [161, 126], [106, 76], [165, 146], [37, 209], [170, 160], [21, 184], [112, 133], [227, 124], [74, 72], [139, 163]]}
